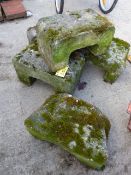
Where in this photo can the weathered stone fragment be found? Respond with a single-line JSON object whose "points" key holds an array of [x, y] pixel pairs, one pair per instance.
{"points": [[30, 66], [59, 35], [76, 126], [31, 34], [113, 61]]}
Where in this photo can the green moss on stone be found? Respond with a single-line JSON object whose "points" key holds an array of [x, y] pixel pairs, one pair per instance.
{"points": [[59, 35], [77, 126], [75, 14], [113, 61], [51, 35]]}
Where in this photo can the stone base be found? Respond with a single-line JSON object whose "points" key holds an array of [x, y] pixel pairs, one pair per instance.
{"points": [[113, 61], [76, 126], [30, 66]]}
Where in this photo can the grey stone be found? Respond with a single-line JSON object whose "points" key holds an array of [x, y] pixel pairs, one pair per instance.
{"points": [[113, 61], [30, 66]]}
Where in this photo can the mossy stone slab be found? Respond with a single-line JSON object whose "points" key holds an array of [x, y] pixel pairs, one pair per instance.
{"points": [[30, 66], [78, 127], [113, 61], [59, 35]]}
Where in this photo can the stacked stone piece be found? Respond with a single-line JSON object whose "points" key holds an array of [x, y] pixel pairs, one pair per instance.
{"points": [[53, 40], [59, 35], [30, 65], [113, 61]]}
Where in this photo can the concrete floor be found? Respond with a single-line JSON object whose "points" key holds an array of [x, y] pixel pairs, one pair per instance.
{"points": [[21, 154]]}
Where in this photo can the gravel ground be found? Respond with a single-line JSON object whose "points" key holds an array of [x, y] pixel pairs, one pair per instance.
{"points": [[21, 154]]}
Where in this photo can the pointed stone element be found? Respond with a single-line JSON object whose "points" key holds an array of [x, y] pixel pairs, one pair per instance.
{"points": [[78, 127], [59, 35], [30, 65], [113, 61]]}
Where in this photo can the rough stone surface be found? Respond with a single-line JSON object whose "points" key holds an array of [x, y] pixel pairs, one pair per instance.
{"points": [[20, 153], [113, 61], [31, 34], [76, 126], [30, 66], [59, 35]]}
